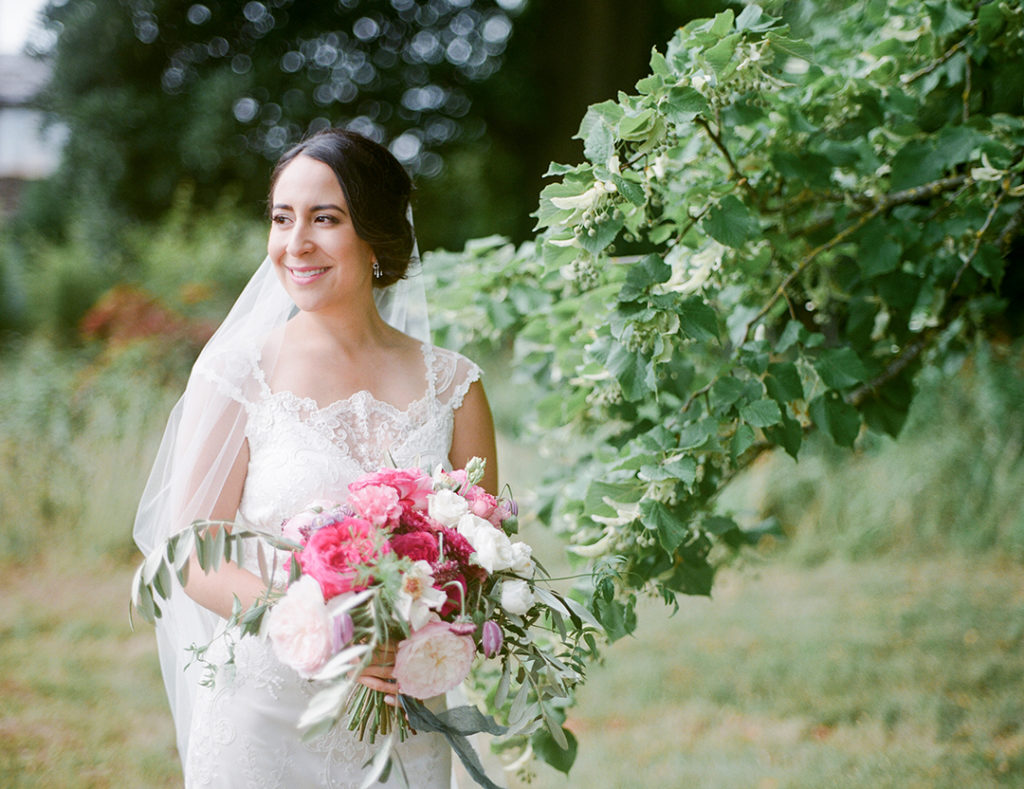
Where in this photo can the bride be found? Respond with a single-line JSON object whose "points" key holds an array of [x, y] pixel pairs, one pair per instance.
{"points": [[321, 372]]}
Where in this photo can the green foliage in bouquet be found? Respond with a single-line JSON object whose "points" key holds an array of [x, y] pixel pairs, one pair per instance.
{"points": [[785, 221]]}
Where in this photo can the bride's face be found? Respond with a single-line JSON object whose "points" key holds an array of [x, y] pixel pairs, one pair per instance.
{"points": [[313, 244]]}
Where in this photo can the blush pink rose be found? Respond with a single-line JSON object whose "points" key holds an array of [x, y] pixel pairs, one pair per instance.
{"points": [[300, 628], [376, 503], [411, 484], [334, 552], [432, 661]]}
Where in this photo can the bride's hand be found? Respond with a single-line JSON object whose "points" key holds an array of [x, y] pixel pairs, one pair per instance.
{"points": [[380, 674]]}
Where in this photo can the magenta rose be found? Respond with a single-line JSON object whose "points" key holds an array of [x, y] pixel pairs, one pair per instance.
{"points": [[334, 552], [433, 660], [416, 545]]}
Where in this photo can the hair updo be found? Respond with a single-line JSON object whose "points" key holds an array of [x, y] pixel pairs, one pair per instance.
{"points": [[377, 190]]}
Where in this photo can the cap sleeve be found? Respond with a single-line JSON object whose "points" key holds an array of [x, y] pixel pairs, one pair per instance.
{"points": [[452, 374]]}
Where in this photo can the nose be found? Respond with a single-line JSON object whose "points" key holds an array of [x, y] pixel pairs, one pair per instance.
{"points": [[299, 240]]}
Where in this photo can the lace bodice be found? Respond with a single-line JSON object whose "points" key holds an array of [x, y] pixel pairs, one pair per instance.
{"points": [[300, 452]]}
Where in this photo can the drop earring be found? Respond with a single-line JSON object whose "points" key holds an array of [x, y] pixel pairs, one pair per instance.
{"points": [[376, 270]]}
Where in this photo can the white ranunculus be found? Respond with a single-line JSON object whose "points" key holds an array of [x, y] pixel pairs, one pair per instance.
{"points": [[446, 507], [492, 548], [299, 627], [522, 560], [516, 596]]}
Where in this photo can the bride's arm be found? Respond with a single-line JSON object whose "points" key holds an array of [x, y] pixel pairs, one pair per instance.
{"points": [[217, 590], [473, 436]]}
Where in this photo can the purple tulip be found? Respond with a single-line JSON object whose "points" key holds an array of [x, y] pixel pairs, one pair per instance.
{"points": [[343, 628], [491, 638]]}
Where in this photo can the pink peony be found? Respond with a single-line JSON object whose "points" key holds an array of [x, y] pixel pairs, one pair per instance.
{"points": [[416, 545], [432, 661], [334, 552], [411, 484], [300, 629], [376, 503]]}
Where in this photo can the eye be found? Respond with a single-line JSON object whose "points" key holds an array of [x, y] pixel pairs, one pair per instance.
{"points": [[279, 219], [326, 219]]}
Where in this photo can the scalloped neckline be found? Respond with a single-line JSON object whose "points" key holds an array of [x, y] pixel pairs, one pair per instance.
{"points": [[314, 407]]}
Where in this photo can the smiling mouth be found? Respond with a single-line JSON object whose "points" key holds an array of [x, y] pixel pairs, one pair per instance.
{"points": [[308, 273]]}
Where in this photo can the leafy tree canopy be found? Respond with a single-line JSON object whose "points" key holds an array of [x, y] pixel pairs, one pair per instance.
{"points": [[789, 215], [145, 85]]}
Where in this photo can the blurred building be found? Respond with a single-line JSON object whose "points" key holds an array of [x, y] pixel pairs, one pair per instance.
{"points": [[29, 149]]}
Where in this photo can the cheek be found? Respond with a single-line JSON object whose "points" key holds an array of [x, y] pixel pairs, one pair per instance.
{"points": [[275, 245]]}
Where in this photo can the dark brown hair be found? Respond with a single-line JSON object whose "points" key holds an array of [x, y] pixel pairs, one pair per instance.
{"points": [[377, 190]]}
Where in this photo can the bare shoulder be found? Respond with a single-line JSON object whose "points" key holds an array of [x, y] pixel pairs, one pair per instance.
{"points": [[473, 434]]}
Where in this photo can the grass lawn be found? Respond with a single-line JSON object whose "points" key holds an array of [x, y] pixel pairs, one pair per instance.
{"points": [[887, 672]]}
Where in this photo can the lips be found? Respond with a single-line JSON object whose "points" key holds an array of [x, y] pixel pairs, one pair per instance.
{"points": [[304, 276]]}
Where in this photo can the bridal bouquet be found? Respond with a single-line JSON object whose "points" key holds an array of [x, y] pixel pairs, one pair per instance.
{"points": [[415, 570]]}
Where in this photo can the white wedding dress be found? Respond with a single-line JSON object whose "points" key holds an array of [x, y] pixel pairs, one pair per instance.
{"points": [[243, 731]]}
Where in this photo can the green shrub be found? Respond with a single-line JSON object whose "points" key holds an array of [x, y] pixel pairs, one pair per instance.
{"points": [[952, 480]]}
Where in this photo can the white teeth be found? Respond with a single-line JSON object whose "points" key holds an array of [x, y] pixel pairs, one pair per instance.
{"points": [[307, 274]]}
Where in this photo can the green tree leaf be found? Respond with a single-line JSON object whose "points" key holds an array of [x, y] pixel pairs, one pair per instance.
{"points": [[761, 413], [840, 368], [685, 103], [670, 528], [783, 382], [649, 271], [731, 223], [697, 320], [837, 417]]}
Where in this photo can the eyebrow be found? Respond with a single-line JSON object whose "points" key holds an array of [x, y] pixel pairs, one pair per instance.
{"points": [[324, 207]]}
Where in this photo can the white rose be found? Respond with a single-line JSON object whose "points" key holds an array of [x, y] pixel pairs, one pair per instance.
{"points": [[446, 507], [299, 628], [516, 596], [492, 548], [522, 561]]}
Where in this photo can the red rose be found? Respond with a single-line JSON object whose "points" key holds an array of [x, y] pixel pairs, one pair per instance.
{"points": [[413, 520], [334, 552], [416, 545]]}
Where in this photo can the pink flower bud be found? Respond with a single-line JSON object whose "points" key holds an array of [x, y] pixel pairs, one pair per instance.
{"points": [[462, 628], [492, 638]]}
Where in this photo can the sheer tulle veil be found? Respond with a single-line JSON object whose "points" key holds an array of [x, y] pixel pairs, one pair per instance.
{"points": [[204, 434]]}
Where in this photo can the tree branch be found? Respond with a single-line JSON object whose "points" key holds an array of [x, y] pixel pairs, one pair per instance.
{"points": [[906, 79], [980, 234], [890, 201], [896, 366], [741, 179]]}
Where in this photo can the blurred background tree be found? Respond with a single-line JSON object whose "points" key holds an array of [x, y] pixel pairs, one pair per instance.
{"points": [[475, 97]]}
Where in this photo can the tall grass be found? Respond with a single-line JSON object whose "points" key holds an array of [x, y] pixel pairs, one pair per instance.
{"points": [[77, 437], [953, 479]]}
